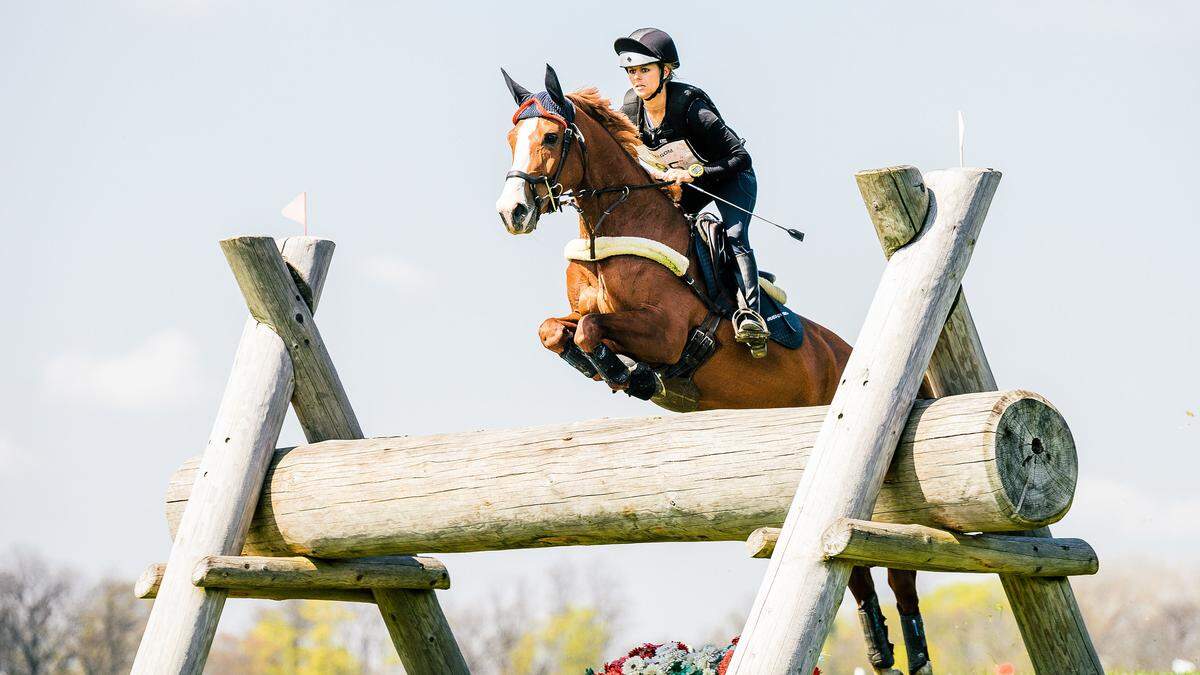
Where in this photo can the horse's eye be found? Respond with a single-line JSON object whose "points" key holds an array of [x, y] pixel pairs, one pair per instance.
{"points": [[550, 139]]}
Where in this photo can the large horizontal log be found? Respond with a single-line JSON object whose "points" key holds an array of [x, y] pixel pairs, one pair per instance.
{"points": [[917, 547], [962, 464]]}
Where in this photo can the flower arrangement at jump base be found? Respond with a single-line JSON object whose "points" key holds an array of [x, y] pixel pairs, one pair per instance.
{"points": [[673, 658]]}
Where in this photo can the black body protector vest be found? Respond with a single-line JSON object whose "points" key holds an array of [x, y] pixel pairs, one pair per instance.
{"points": [[671, 141]]}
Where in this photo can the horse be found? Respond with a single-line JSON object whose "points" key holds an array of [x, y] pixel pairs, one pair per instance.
{"points": [[632, 313]]}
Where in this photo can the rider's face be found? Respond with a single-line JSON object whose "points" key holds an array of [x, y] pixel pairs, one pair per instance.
{"points": [[645, 78]]}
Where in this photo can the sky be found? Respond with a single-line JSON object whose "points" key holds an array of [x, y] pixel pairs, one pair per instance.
{"points": [[137, 134]]}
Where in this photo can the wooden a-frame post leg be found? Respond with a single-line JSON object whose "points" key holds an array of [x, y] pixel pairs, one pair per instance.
{"points": [[1045, 608], [184, 617], [414, 619], [801, 592]]}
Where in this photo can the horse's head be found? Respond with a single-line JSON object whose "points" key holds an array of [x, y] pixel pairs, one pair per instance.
{"points": [[546, 160]]}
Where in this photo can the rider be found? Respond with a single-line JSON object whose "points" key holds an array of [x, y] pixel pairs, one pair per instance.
{"points": [[683, 130]]}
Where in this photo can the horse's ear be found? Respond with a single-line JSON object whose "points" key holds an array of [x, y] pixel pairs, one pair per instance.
{"points": [[554, 88], [520, 94]]}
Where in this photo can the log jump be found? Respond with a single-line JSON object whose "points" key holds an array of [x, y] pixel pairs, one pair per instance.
{"points": [[967, 481]]}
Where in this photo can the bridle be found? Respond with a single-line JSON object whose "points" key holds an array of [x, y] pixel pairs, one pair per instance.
{"points": [[556, 200]]}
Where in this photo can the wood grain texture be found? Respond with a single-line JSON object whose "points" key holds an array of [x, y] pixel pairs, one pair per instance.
{"points": [[695, 477], [420, 632], [408, 572], [148, 583], [184, 618], [324, 412], [917, 547], [1045, 609], [273, 299], [897, 201], [801, 592]]}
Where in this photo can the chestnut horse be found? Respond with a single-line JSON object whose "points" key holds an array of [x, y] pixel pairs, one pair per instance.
{"points": [[576, 149]]}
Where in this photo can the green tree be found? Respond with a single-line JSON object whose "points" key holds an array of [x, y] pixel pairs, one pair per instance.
{"points": [[569, 641], [299, 638]]}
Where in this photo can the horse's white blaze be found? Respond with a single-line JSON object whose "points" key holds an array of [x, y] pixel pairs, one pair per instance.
{"points": [[523, 153], [515, 191]]}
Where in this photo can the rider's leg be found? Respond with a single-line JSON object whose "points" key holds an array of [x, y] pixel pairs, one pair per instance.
{"points": [[749, 325]]}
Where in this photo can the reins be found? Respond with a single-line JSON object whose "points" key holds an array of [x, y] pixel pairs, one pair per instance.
{"points": [[556, 200]]}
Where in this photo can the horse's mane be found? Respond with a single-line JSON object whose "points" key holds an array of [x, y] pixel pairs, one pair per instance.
{"points": [[614, 121]]}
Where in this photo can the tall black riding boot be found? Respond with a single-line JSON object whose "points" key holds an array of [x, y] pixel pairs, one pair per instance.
{"points": [[749, 327]]}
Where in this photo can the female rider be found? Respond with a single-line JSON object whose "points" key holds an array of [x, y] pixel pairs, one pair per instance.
{"points": [[682, 128]]}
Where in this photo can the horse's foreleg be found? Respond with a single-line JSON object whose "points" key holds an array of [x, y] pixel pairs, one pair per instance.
{"points": [[646, 335], [904, 585], [879, 651], [558, 335]]}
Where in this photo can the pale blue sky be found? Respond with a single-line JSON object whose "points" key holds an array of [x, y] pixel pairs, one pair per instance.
{"points": [[134, 135]]}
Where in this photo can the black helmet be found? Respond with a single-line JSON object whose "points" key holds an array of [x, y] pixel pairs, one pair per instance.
{"points": [[646, 45]]}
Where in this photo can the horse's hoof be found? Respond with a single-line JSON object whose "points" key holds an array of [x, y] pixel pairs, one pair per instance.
{"points": [[926, 669]]}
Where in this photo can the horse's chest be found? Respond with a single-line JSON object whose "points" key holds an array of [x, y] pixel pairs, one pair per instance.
{"points": [[604, 293]]}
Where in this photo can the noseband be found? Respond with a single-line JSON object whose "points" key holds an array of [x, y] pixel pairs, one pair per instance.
{"points": [[556, 200]]}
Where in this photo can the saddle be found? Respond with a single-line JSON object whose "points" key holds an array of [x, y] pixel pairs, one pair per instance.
{"points": [[717, 268]]}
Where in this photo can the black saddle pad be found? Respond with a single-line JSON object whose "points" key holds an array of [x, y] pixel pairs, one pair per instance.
{"points": [[714, 257]]}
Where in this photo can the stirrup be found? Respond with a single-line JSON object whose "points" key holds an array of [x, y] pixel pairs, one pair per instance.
{"points": [[750, 329]]}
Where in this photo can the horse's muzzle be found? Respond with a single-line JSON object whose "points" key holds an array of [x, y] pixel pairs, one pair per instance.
{"points": [[517, 209]]}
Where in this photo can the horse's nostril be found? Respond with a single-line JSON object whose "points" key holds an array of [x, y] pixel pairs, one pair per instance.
{"points": [[518, 213]]}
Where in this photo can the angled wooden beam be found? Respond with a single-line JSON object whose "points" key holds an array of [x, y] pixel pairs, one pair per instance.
{"points": [[918, 547], [273, 299], [184, 618], [324, 411], [801, 592], [148, 583], [1045, 608]]}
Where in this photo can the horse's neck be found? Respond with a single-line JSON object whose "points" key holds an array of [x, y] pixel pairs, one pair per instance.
{"points": [[647, 212]]}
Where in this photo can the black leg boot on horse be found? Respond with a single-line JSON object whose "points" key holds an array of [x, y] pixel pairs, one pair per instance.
{"points": [[880, 651], [904, 586]]}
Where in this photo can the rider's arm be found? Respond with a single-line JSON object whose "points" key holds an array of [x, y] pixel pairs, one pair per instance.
{"points": [[719, 142]]}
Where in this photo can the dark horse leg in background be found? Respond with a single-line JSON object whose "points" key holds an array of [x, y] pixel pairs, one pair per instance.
{"points": [[879, 650]]}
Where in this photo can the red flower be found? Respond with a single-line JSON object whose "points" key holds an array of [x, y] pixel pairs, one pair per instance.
{"points": [[646, 651]]}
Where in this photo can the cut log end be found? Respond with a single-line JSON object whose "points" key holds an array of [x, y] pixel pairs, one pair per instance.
{"points": [[897, 202], [1036, 459]]}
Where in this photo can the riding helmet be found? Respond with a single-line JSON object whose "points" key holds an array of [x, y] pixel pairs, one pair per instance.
{"points": [[646, 45]]}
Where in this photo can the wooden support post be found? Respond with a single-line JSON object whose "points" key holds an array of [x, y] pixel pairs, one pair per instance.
{"points": [[801, 592], [184, 617], [958, 466], [917, 547], [324, 412], [1046, 611]]}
